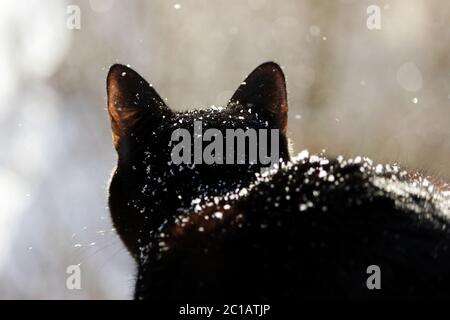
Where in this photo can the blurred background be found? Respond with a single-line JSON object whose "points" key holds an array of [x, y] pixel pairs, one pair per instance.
{"points": [[352, 91]]}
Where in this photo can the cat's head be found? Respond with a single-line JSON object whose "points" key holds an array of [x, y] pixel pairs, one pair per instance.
{"points": [[148, 187]]}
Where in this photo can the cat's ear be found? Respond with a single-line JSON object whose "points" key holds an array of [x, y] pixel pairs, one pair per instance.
{"points": [[264, 90], [130, 98]]}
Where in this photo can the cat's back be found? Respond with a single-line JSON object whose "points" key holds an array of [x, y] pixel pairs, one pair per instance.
{"points": [[309, 229]]}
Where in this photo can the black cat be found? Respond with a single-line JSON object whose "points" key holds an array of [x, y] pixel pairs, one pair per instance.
{"points": [[308, 228]]}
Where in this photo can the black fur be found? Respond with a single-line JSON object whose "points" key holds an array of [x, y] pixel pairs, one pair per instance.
{"points": [[306, 230]]}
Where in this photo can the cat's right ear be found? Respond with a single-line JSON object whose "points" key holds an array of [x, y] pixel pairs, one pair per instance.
{"points": [[265, 91], [130, 98]]}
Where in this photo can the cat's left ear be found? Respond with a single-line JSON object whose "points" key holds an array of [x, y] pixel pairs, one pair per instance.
{"points": [[264, 91], [130, 98]]}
